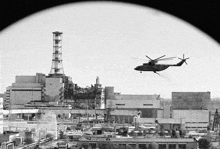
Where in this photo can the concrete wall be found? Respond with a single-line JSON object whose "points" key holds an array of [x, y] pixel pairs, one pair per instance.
{"points": [[194, 119], [40, 78], [166, 111], [26, 85], [109, 93], [6, 98], [124, 112], [192, 115], [54, 89], [121, 119], [24, 96], [25, 79], [146, 113], [190, 100], [142, 103], [160, 113], [24, 90], [136, 97], [17, 106], [161, 120]]}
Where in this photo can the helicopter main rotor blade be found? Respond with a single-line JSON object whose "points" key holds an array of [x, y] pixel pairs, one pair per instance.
{"points": [[138, 58], [159, 57], [166, 58], [148, 57]]}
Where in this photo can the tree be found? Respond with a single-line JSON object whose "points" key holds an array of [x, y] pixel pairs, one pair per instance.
{"points": [[62, 136], [204, 143], [28, 137], [16, 141], [152, 145], [50, 136]]}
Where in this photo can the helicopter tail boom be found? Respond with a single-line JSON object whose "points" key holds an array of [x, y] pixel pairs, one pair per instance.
{"points": [[180, 63]]}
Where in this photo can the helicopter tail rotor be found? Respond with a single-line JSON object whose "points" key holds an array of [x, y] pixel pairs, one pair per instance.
{"points": [[183, 59]]}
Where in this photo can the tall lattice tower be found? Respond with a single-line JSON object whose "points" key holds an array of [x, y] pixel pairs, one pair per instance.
{"points": [[57, 66]]}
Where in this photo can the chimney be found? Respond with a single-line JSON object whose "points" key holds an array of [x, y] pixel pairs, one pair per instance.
{"points": [[57, 66]]}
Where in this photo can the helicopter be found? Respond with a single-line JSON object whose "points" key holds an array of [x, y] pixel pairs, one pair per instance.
{"points": [[153, 66]]}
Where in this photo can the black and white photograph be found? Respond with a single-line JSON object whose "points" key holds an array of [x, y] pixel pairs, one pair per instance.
{"points": [[109, 74]]}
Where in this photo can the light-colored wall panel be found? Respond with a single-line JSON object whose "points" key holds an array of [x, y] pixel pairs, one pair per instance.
{"points": [[192, 115], [23, 97], [25, 79]]}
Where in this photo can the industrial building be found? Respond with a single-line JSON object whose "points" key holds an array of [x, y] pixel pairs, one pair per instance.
{"points": [[193, 108], [41, 88], [24, 90], [122, 108], [42, 91]]}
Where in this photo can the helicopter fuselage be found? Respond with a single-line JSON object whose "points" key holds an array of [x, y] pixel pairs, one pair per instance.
{"points": [[153, 68]]}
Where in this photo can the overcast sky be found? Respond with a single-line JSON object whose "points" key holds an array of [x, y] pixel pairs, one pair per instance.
{"points": [[100, 39]]}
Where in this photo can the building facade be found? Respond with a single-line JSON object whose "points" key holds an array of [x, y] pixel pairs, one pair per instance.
{"points": [[24, 90], [123, 108], [27, 89], [193, 108], [54, 89]]}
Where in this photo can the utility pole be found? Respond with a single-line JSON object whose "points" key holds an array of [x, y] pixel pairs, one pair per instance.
{"points": [[87, 112], [95, 111]]}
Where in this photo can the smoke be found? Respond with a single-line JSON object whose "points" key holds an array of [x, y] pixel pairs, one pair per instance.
{"points": [[166, 77], [47, 124]]}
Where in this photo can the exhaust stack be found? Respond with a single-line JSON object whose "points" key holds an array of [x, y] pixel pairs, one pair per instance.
{"points": [[57, 66]]}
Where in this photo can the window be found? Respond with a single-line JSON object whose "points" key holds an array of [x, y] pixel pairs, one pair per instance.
{"points": [[152, 146], [148, 104], [172, 146], [102, 145], [56, 41], [131, 146], [85, 146], [93, 145], [142, 146], [162, 146], [182, 146], [10, 146], [122, 146], [120, 104]]}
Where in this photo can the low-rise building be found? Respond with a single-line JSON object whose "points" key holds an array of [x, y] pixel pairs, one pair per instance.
{"points": [[192, 107], [194, 119], [124, 107]]}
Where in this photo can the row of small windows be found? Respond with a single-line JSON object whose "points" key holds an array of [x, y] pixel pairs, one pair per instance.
{"points": [[196, 122], [143, 104], [120, 104], [197, 127], [148, 104], [133, 146]]}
